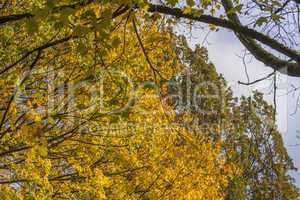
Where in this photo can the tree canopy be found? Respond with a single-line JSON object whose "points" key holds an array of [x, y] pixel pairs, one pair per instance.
{"points": [[101, 100], [271, 26]]}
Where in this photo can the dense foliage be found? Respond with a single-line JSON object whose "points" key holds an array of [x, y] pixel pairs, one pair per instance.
{"points": [[100, 101]]}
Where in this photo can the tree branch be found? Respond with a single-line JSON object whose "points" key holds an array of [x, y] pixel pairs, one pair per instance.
{"points": [[258, 80], [293, 68], [257, 51]]}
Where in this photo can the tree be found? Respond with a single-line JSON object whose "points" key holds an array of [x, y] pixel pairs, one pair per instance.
{"points": [[247, 127], [87, 110], [84, 121], [270, 23]]}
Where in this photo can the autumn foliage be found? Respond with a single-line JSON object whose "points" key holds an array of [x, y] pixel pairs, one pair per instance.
{"points": [[99, 101]]}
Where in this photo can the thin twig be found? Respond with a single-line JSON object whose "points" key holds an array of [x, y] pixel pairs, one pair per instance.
{"points": [[16, 90], [256, 81], [145, 52], [275, 93]]}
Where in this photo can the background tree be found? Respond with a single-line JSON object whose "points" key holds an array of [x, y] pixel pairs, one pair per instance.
{"points": [[247, 127]]}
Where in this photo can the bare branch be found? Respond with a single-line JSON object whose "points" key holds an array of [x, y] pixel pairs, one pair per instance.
{"points": [[256, 81]]}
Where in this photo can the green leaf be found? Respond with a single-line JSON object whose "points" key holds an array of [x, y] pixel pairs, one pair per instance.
{"points": [[50, 4], [260, 21], [68, 11], [149, 85], [116, 42], [82, 49], [32, 25], [172, 2], [198, 13], [104, 24], [89, 14], [81, 30], [190, 3]]}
